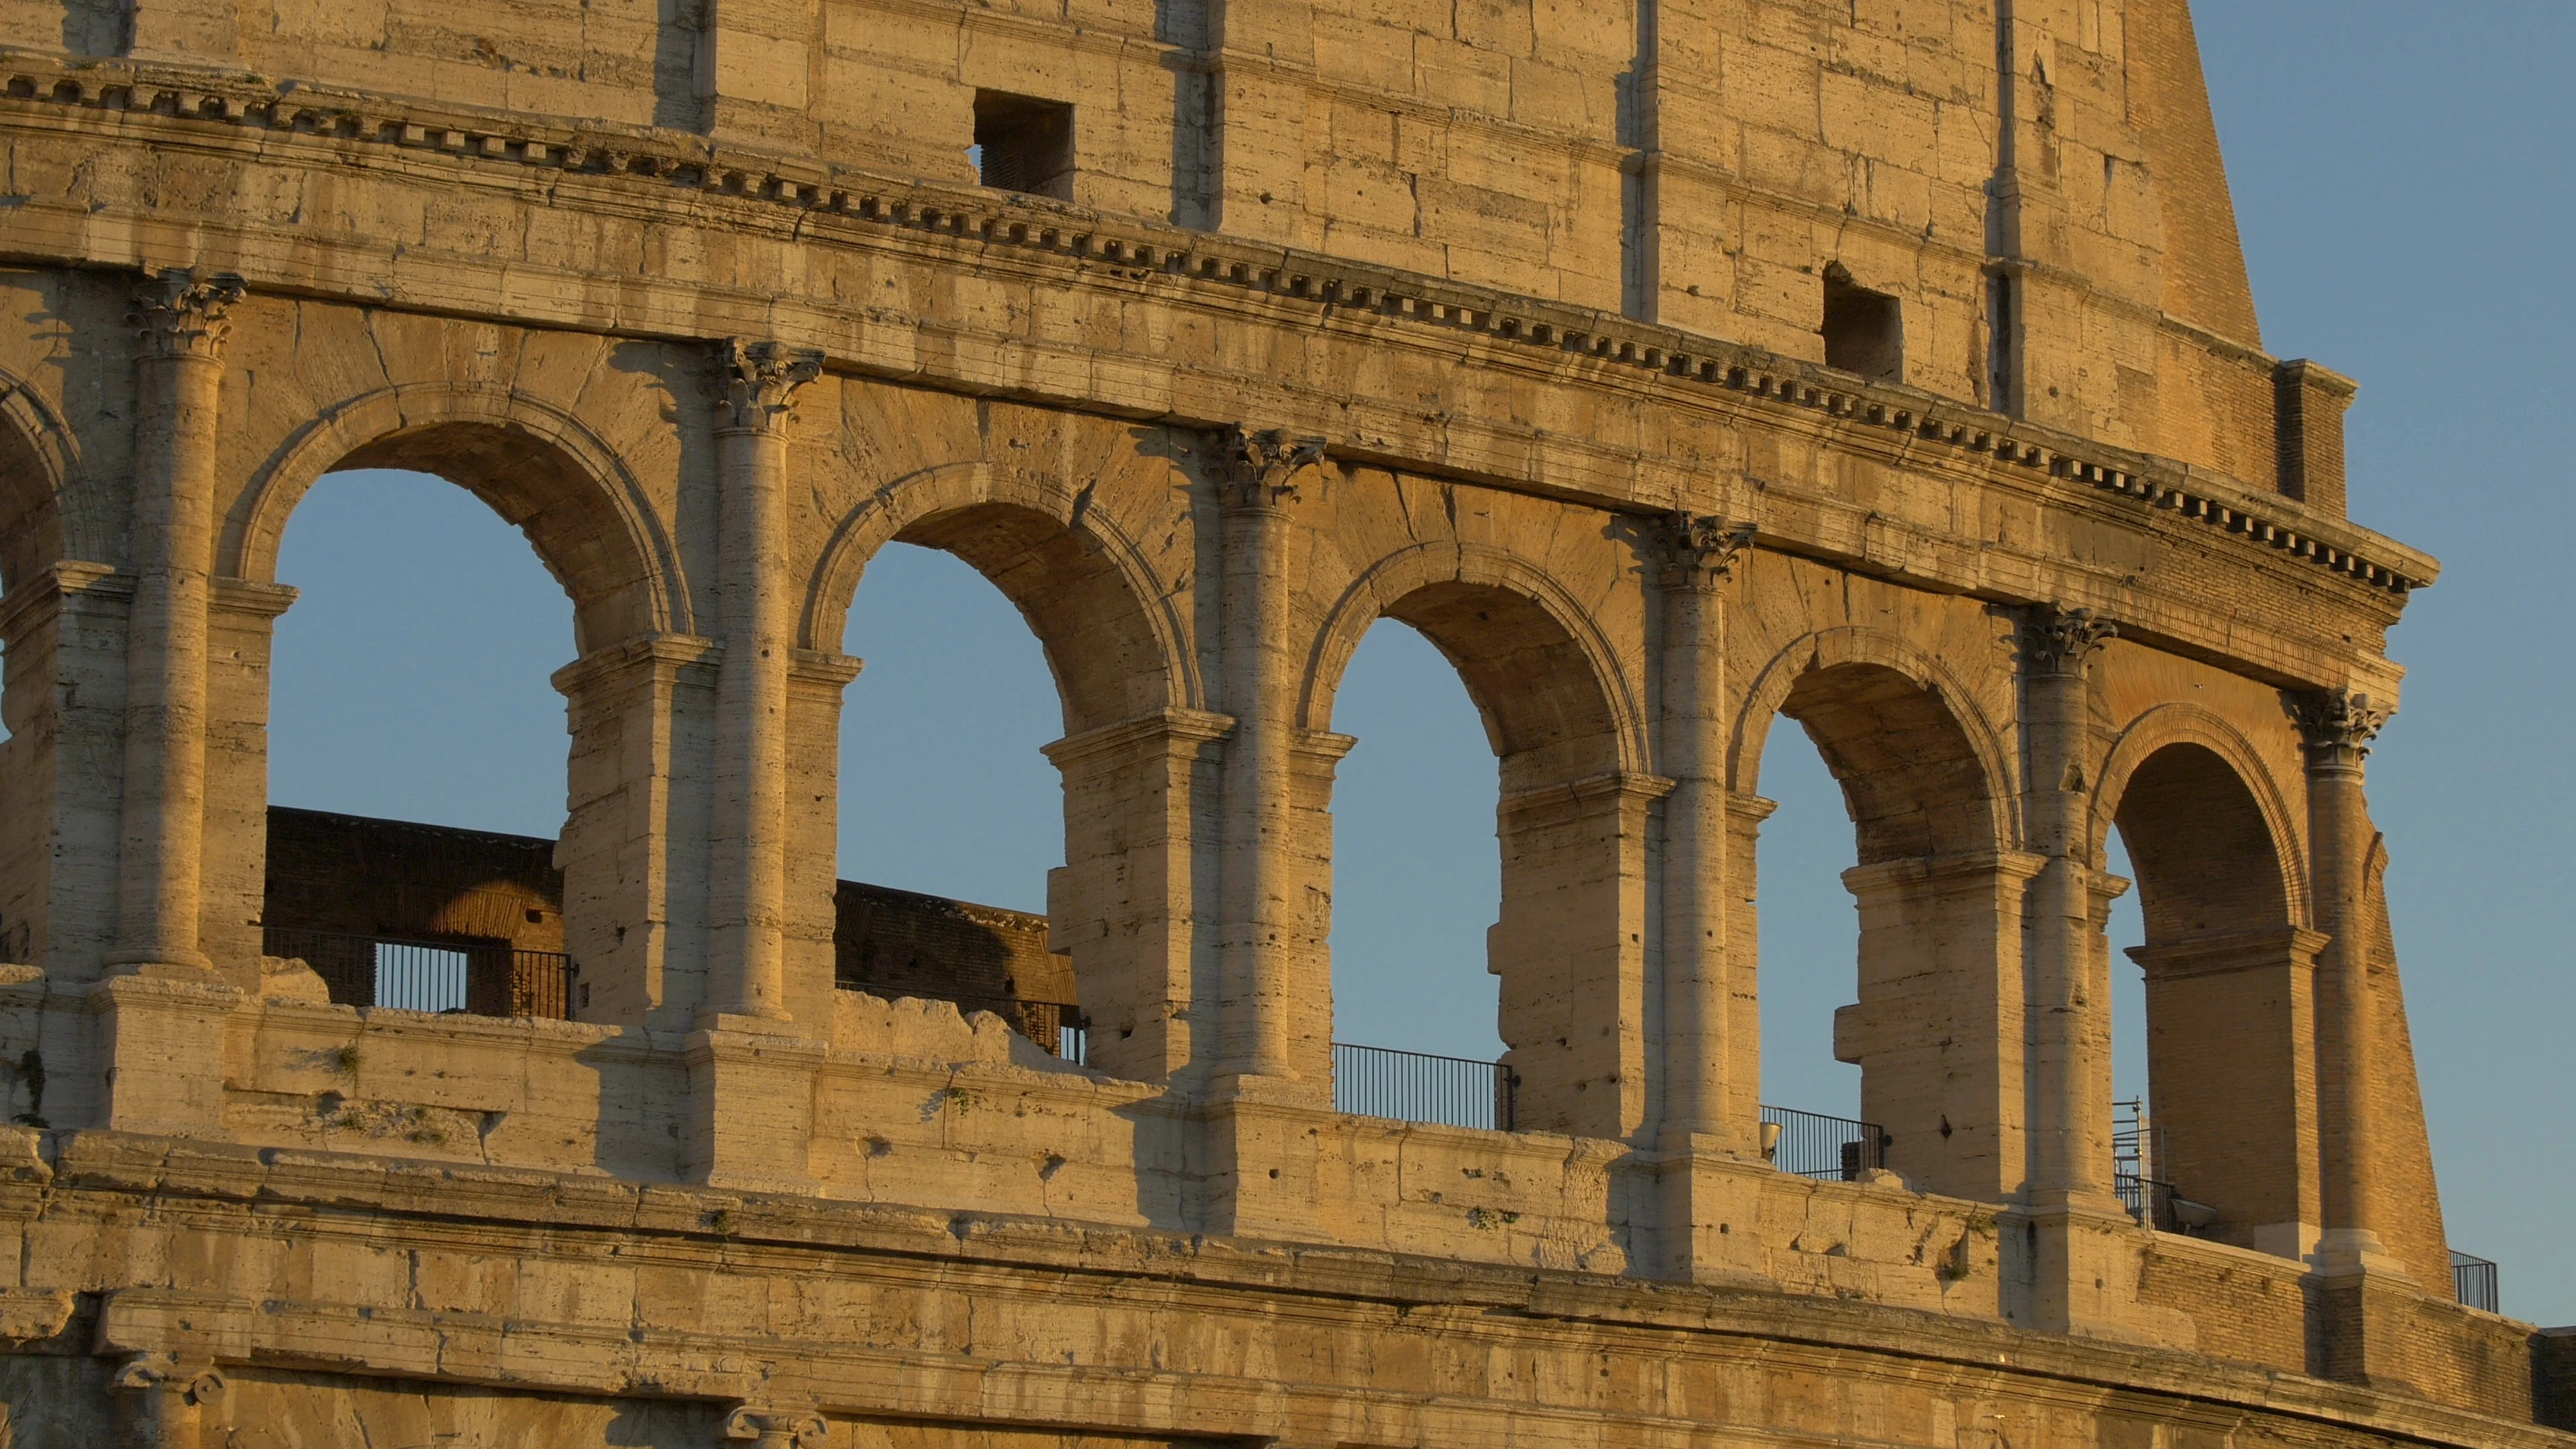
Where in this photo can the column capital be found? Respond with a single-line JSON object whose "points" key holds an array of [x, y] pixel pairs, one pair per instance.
{"points": [[181, 312], [777, 1429], [2056, 641], [2338, 725], [1700, 550], [194, 1385], [756, 382], [1261, 467]]}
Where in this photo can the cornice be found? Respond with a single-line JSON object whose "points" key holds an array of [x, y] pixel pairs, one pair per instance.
{"points": [[826, 204]]}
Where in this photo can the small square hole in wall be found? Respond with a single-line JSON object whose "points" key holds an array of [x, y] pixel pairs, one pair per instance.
{"points": [[1024, 144], [1864, 330]]}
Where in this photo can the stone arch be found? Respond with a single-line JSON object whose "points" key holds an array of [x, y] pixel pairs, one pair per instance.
{"points": [[590, 521], [1129, 688], [1111, 635], [2206, 779], [45, 503], [1545, 633], [1562, 719], [1924, 771], [2230, 971], [1936, 1025], [44, 500]]}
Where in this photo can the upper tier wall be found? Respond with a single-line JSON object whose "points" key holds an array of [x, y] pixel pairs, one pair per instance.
{"points": [[1701, 165]]}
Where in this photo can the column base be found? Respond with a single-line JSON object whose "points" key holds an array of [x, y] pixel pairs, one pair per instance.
{"points": [[2361, 1313], [750, 1120], [129, 963], [1708, 1212], [1261, 1148], [161, 1041], [2083, 1266]]}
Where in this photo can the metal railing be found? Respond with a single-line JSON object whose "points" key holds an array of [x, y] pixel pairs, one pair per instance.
{"points": [[415, 974], [2149, 1201], [2473, 1282], [1058, 1027], [1828, 1149], [2133, 1167], [1419, 1087]]}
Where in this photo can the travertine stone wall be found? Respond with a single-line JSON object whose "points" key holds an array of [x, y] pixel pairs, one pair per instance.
{"points": [[1501, 320]]}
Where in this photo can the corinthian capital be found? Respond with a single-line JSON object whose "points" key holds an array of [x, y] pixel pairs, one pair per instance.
{"points": [[756, 382], [1261, 468], [2056, 641], [1700, 549], [180, 313], [2338, 722]]}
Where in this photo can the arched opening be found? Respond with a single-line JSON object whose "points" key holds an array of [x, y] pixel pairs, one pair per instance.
{"points": [[1568, 943], [1417, 883], [37, 722], [545, 916], [950, 817], [1809, 941], [1936, 1030], [416, 753], [2229, 987], [1091, 958]]}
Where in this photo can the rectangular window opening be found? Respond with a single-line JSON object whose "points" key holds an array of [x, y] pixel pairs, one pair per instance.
{"points": [[1023, 144], [1864, 331]]}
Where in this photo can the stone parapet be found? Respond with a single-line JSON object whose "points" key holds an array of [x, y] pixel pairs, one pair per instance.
{"points": [[502, 1284]]}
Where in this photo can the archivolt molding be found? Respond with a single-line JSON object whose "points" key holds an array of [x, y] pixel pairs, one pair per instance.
{"points": [[55, 449], [249, 545], [2191, 724], [1856, 644], [1391, 578], [913, 497]]}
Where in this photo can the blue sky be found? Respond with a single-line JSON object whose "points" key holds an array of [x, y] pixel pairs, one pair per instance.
{"points": [[2405, 196]]}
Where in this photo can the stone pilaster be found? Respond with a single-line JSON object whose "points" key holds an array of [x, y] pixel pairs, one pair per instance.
{"points": [[1127, 903], [232, 884], [755, 64], [1699, 557], [2236, 1111], [2070, 1110], [1570, 949], [189, 32], [2339, 727], [160, 1013], [2365, 1296], [1939, 1031], [1703, 1115], [757, 383], [62, 639], [1256, 929], [2310, 400], [180, 322], [2076, 1220], [635, 850]]}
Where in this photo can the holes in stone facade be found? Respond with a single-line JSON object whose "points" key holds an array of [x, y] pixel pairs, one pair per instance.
{"points": [[1864, 331], [1024, 144]]}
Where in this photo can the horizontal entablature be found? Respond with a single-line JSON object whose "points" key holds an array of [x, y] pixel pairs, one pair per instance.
{"points": [[1119, 262]]}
